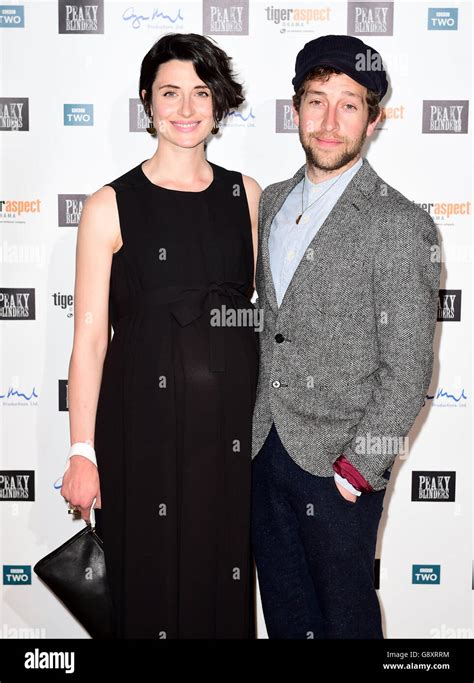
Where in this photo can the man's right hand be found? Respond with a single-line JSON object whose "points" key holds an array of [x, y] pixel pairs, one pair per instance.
{"points": [[345, 493]]}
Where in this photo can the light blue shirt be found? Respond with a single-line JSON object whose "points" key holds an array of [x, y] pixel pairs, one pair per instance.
{"points": [[289, 241]]}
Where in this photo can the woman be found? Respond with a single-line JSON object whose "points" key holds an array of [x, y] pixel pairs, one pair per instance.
{"points": [[162, 248]]}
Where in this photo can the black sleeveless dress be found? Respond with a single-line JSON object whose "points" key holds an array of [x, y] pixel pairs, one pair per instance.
{"points": [[174, 415]]}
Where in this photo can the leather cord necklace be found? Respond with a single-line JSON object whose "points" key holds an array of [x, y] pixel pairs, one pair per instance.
{"points": [[317, 198]]}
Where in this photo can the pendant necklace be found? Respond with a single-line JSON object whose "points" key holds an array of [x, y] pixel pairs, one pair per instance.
{"points": [[317, 198]]}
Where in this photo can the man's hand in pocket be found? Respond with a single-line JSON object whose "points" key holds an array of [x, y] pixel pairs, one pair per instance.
{"points": [[345, 493]]}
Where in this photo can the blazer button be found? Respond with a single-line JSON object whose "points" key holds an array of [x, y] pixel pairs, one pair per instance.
{"points": [[279, 338], [276, 384]]}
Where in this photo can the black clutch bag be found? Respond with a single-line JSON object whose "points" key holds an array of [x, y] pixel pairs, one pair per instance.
{"points": [[75, 572]]}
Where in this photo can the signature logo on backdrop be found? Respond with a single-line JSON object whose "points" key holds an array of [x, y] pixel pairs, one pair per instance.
{"points": [[240, 119], [155, 19], [445, 398], [15, 397]]}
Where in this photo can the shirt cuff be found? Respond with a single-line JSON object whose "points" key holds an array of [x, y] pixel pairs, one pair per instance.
{"points": [[347, 471], [347, 485]]}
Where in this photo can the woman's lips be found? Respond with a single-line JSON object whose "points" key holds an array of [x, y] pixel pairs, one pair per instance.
{"points": [[186, 127]]}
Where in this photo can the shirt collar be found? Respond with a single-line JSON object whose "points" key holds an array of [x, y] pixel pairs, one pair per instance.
{"points": [[313, 190]]}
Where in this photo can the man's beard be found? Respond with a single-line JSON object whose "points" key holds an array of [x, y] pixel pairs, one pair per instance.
{"points": [[327, 163]]}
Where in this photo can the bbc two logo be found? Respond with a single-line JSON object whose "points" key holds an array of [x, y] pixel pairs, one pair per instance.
{"points": [[16, 575], [442, 19], [427, 574], [12, 16], [78, 114]]}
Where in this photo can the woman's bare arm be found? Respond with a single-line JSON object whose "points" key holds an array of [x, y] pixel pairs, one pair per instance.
{"points": [[253, 192], [98, 237]]}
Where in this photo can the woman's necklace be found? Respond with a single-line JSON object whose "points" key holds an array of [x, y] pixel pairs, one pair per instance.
{"points": [[317, 198]]}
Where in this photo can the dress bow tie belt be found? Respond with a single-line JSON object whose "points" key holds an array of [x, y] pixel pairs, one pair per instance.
{"points": [[187, 304]]}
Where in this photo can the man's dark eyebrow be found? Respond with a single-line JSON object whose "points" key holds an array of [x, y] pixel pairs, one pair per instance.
{"points": [[170, 85]]}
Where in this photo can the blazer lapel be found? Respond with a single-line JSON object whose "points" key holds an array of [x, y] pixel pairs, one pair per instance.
{"points": [[348, 209], [272, 212]]}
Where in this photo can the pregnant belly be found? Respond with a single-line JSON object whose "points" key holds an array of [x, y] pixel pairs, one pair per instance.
{"points": [[233, 349]]}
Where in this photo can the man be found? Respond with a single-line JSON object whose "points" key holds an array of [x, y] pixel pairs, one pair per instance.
{"points": [[348, 287]]}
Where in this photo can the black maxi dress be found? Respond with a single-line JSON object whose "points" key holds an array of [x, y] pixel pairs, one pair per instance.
{"points": [[174, 414]]}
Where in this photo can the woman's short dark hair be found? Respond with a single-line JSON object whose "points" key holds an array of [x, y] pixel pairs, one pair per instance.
{"points": [[212, 65], [323, 73]]}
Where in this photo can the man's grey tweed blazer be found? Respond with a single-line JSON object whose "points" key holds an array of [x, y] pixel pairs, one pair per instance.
{"points": [[357, 320]]}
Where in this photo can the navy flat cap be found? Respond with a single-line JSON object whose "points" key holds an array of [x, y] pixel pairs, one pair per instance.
{"points": [[347, 54]]}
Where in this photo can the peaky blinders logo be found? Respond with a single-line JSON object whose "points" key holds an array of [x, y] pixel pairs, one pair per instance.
{"points": [[81, 16], [449, 305], [433, 487], [445, 116]]}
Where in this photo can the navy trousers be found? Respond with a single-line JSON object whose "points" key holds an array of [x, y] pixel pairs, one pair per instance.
{"points": [[314, 551]]}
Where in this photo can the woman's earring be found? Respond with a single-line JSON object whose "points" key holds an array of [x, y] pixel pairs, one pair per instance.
{"points": [[215, 130], [151, 128]]}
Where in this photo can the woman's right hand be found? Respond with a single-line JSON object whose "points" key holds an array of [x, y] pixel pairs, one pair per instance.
{"points": [[81, 485]]}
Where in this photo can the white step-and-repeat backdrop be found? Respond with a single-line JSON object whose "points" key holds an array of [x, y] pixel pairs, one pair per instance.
{"points": [[71, 121]]}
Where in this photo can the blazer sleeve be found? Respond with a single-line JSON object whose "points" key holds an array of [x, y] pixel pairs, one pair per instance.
{"points": [[406, 277]]}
